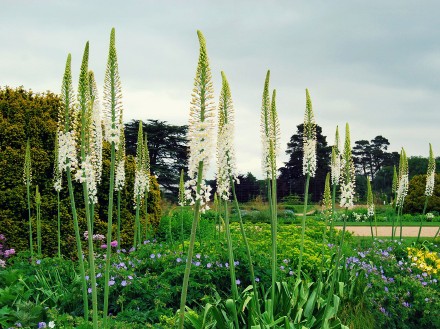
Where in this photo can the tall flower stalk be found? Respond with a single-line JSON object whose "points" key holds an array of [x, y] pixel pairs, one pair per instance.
{"points": [[429, 189], [270, 133], [27, 177], [57, 184], [113, 115], [86, 174], [120, 176], [370, 207], [346, 201], [226, 179], [394, 186], [335, 165], [402, 188], [146, 160], [38, 221], [67, 160], [182, 203], [140, 182], [309, 165], [327, 205], [200, 132]]}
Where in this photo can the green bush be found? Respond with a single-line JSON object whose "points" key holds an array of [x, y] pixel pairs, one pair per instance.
{"points": [[415, 200]]}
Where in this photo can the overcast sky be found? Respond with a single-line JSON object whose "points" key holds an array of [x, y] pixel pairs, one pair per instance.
{"points": [[373, 64]]}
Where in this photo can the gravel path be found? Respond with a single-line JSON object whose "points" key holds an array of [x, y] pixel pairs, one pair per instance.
{"points": [[412, 231]]}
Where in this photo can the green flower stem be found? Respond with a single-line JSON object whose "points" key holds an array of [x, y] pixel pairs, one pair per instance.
{"points": [[109, 232], [146, 217], [248, 250], [190, 250], [273, 200], [119, 219], [400, 220], [39, 230], [89, 219], [181, 230], [59, 225], [371, 227], [423, 215], [234, 288], [303, 226], [78, 245], [333, 211], [31, 243], [375, 222], [137, 223]]}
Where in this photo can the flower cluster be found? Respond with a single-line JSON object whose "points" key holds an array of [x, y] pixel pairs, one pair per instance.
{"points": [[192, 195], [86, 173], [120, 175], [335, 166], [226, 168], [347, 195], [402, 187], [425, 260], [66, 150], [430, 176], [309, 159], [96, 237]]}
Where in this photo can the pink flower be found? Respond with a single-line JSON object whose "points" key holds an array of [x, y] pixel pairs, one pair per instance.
{"points": [[103, 246], [9, 252], [114, 243]]}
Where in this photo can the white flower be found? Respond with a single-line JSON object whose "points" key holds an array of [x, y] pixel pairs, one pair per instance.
{"points": [[51, 324], [370, 210], [86, 173], [335, 166], [120, 175], [347, 195], [67, 150], [402, 190], [309, 158]]}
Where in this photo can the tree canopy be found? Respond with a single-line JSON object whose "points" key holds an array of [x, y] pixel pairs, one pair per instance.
{"points": [[291, 179], [167, 145]]}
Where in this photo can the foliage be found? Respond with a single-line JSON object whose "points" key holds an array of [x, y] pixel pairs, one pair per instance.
{"points": [[291, 179], [167, 146], [416, 195], [371, 157], [399, 294]]}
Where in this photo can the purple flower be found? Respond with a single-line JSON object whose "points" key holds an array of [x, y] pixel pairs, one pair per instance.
{"points": [[427, 299], [257, 279], [282, 268], [152, 256], [197, 263], [38, 262], [159, 255], [285, 261], [9, 252], [87, 278], [98, 275], [386, 289], [104, 246], [111, 282], [290, 272], [42, 325], [89, 290], [405, 304], [227, 265], [130, 277], [208, 265], [179, 260], [236, 263], [123, 283], [198, 256], [114, 243], [238, 281]]}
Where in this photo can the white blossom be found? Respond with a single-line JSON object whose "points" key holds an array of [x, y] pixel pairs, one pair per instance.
{"points": [[347, 195], [86, 173], [309, 158], [402, 190], [120, 175], [67, 150], [309, 139], [430, 180]]}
